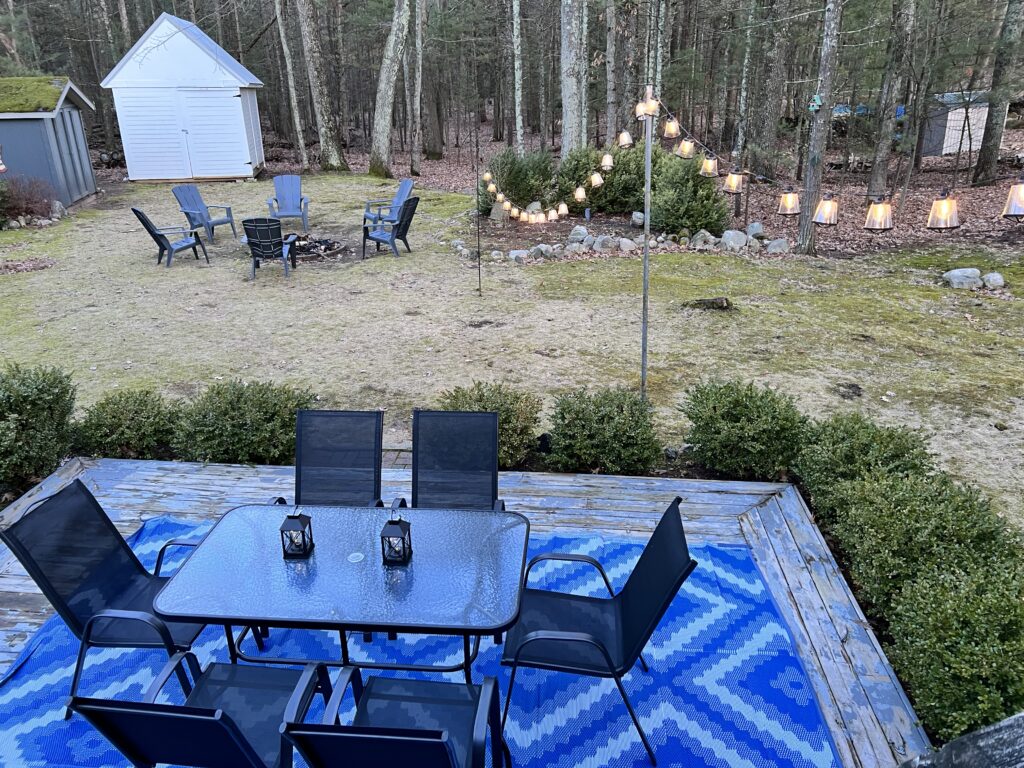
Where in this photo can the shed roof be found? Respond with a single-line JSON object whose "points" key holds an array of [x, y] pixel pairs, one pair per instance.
{"points": [[195, 35], [40, 96]]}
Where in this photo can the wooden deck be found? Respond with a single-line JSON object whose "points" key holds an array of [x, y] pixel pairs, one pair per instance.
{"points": [[863, 703]]}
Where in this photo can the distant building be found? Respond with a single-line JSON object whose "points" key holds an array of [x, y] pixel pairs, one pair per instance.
{"points": [[42, 135], [954, 122], [185, 108]]}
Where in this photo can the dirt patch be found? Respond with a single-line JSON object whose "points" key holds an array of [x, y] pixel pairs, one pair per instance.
{"points": [[25, 265]]}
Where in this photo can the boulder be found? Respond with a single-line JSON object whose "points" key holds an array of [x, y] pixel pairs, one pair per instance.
{"points": [[464, 253], [636, 220], [964, 278], [733, 240], [661, 238], [588, 242], [703, 241], [497, 213], [497, 255], [626, 245], [993, 280], [576, 248], [518, 256], [753, 244], [44, 222], [57, 210], [579, 234], [755, 229], [534, 207], [541, 251], [458, 245], [605, 244], [778, 245], [14, 224]]}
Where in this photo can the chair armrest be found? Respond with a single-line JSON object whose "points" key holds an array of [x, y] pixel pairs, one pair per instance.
{"points": [[193, 211], [290, 239], [571, 558], [485, 708], [305, 690], [378, 503], [399, 503], [182, 230], [155, 623], [169, 669], [277, 500], [499, 505], [348, 676], [171, 543], [222, 207], [304, 201], [543, 635]]}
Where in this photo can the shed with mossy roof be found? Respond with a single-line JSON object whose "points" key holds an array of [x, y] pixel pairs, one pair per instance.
{"points": [[42, 135]]}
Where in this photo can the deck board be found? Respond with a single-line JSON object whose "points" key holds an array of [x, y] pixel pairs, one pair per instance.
{"points": [[866, 710]]}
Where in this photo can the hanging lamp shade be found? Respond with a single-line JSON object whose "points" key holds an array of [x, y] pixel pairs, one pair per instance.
{"points": [[563, 209], [500, 198], [827, 212], [879, 218], [1014, 208], [945, 213], [625, 140], [524, 217], [515, 212], [607, 162], [709, 166], [789, 203], [671, 129], [686, 149], [640, 110], [487, 176], [580, 194], [596, 179], [506, 206], [552, 215], [491, 189], [733, 182]]}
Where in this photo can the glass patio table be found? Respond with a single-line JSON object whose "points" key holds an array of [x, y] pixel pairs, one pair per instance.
{"points": [[465, 578]]}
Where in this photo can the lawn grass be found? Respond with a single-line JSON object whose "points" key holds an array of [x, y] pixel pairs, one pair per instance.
{"points": [[394, 333]]}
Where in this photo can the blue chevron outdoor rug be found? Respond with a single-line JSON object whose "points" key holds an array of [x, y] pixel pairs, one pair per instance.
{"points": [[725, 689]]}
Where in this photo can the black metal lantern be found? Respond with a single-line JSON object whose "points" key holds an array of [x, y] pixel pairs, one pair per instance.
{"points": [[396, 542], [297, 537]]}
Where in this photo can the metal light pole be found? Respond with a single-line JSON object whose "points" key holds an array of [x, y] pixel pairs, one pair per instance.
{"points": [[648, 141]]}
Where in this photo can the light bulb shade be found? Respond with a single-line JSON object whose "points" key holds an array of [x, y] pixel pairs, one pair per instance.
{"points": [[500, 198], [524, 216], [515, 212], [1014, 208], [552, 215], [625, 140], [507, 206], [671, 129], [686, 149], [491, 189], [563, 209], [733, 182], [487, 176], [827, 212], [607, 162], [580, 194], [651, 107], [789, 203], [596, 180], [879, 218], [709, 167], [945, 213], [640, 110]]}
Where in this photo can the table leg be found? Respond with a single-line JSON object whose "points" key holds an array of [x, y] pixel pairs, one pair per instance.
{"points": [[469, 661], [232, 651], [344, 646]]}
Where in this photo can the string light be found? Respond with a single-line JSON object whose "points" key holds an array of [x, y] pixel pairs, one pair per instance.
{"points": [[524, 216], [500, 198], [879, 218], [733, 182], [827, 212], [709, 166], [625, 140], [515, 212], [607, 162], [552, 215], [945, 213], [789, 203], [596, 180], [580, 194], [487, 176], [506, 206], [491, 188], [563, 209], [671, 129], [686, 149], [1014, 208]]}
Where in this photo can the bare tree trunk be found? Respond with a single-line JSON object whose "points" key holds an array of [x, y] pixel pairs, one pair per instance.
{"points": [[193, 14], [126, 26], [543, 92], [611, 76], [380, 150], [998, 97], [331, 158], [572, 75], [238, 29], [764, 123], [741, 126], [293, 97], [827, 65], [517, 64], [903, 20], [417, 94], [659, 42]]}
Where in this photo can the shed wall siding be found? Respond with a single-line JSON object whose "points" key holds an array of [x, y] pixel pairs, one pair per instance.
{"points": [[254, 134], [151, 133], [216, 132], [28, 153]]}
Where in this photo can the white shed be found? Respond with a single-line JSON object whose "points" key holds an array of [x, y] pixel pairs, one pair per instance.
{"points": [[955, 122], [186, 109]]}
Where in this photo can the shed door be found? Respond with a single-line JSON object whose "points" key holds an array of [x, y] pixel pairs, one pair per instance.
{"points": [[215, 132]]}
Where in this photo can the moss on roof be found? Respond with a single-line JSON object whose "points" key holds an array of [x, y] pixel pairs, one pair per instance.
{"points": [[30, 94]]}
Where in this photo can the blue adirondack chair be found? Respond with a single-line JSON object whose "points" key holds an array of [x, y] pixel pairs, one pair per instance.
{"points": [[288, 201], [387, 233], [378, 211], [198, 212]]}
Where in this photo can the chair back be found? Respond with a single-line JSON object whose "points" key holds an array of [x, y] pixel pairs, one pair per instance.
{"points": [[402, 194], [148, 734], [74, 554], [325, 746], [288, 191], [191, 204], [264, 237], [405, 217], [338, 457], [149, 226], [659, 573], [454, 459]]}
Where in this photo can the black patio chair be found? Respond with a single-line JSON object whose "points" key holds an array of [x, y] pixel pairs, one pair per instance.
{"points": [[91, 576], [601, 637], [190, 239], [455, 460], [263, 236], [405, 722], [232, 715], [388, 233], [338, 458]]}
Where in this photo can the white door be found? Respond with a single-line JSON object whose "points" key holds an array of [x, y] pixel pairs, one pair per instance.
{"points": [[215, 133], [152, 133]]}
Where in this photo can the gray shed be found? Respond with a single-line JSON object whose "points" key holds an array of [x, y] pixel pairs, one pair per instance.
{"points": [[42, 135]]}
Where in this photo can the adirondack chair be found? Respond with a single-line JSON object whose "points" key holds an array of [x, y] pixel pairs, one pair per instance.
{"points": [[190, 239], [263, 236], [387, 233], [288, 201], [377, 211], [198, 212]]}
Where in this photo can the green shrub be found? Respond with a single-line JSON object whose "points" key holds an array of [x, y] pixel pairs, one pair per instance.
{"points": [[892, 528], [134, 424], [744, 431], [522, 179], [248, 423], [682, 199], [518, 416], [848, 447], [574, 171], [958, 647], [610, 430], [623, 188], [35, 423]]}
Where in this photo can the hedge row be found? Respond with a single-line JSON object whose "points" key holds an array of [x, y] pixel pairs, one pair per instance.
{"points": [[940, 574]]}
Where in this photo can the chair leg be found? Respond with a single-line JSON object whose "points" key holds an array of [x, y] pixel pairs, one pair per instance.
{"points": [[636, 721], [234, 232], [394, 248], [508, 695], [160, 256], [205, 254], [195, 251], [209, 232], [285, 260], [407, 248], [170, 256], [254, 269]]}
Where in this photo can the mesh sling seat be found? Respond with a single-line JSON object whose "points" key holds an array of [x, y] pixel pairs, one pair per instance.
{"points": [[231, 716], [190, 200], [264, 239], [288, 201], [338, 458], [399, 722], [188, 240], [390, 232], [601, 637]]}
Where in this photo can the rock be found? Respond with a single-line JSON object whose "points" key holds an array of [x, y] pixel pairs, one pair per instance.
{"points": [[465, 254], [779, 245], [43, 222], [579, 234], [661, 239], [541, 251], [497, 255], [57, 210], [964, 278], [458, 245], [518, 257], [588, 242], [671, 454], [636, 220], [733, 240], [576, 248], [755, 229], [605, 244], [683, 241], [626, 245], [652, 243], [703, 241], [673, 238], [557, 248], [22, 220], [993, 280], [497, 212], [753, 244], [14, 224], [534, 207], [718, 302]]}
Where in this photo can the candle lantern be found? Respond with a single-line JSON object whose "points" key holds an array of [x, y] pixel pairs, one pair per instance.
{"points": [[607, 162], [396, 542], [297, 537], [879, 218], [709, 166], [789, 203], [1014, 208], [733, 182], [827, 212], [945, 213]]}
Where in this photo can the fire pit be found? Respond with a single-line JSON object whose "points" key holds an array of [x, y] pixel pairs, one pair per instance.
{"points": [[311, 247]]}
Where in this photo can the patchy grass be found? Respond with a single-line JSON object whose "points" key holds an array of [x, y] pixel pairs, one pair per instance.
{"points": [[394, 333]]}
